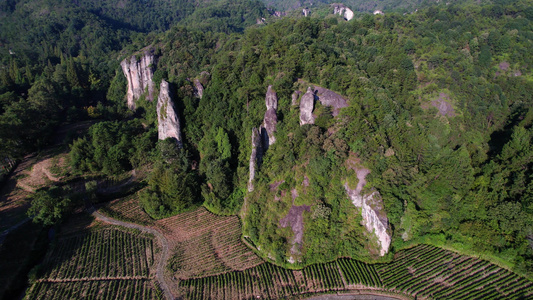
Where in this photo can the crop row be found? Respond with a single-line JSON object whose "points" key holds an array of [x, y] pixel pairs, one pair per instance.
{"points": [[264, 281], [93, 289], [439, 274], [431, 273], [323, 277], [357, 272], [105, 253]]}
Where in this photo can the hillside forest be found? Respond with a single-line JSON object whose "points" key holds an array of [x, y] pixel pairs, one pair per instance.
{"points": [[439, 111]]}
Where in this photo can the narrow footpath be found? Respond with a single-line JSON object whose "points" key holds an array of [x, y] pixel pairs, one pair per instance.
{"points": [[160, 276]]}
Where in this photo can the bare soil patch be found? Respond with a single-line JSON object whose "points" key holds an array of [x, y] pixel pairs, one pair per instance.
{"points": [[38, 175]]}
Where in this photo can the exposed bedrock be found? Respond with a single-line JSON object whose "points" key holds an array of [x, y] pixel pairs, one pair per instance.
{"points": [[167, 117], [139, 72]]}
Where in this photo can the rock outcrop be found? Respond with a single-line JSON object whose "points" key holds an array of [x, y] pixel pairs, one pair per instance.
{"points": [[255, 157], [139, 73], [295, 97], [330, 98], [167, 118], [343, 11], [326, 98], [374, 217], [271, 119], [307, 104], [306, 12], [263, 137], [198, 88]]}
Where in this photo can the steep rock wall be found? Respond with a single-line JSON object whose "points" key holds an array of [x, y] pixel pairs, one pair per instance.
{"points": [[263, 137], [372, 210], [271, 119], [167, 118], [139, 73], [255, 157]]}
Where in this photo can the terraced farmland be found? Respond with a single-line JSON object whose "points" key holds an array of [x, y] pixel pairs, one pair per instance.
{"points": [[94, 289], [423, 271], [435, 273], [209, 261], [204, 244], [100, 263]]}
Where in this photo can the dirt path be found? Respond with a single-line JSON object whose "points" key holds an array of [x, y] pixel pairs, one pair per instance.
{"points": [[164, 244]]}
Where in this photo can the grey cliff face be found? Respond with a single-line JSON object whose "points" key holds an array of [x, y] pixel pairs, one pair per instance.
{"points": [[139, 74], [167, 118], [271, 119], [255, 157], [307, 104]]}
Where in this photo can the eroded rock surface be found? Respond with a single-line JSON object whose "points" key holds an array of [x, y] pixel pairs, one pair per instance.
{"points": [[167, 118], [255, 157], [372, 210], [295, 97], [343, 11], [139, 73], [198, 89], [271, 119], [307, 104], [295, 220], [263, 137], [330, 98]]}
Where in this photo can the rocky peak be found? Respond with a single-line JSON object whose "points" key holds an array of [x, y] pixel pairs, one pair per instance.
{"points": [[343, 11], [307, 104], [139, 72], [167, 117]]}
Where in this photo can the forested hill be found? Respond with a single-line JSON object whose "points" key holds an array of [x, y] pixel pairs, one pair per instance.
{"points": [[434, 127]]}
